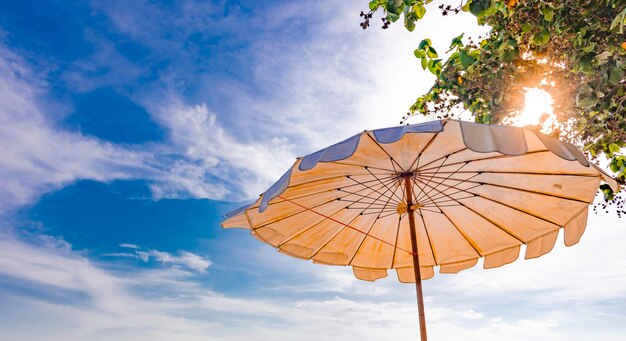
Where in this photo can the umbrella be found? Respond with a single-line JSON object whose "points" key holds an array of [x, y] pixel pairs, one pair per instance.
{"points": [[442, 193]]}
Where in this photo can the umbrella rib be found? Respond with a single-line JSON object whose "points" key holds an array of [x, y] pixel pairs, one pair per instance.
{"points": [[441, 157], [363, 240], [331, 189], [387, 203], [381, 194], [305, 229], [379, 212], [506, 205], [389, 189], [431, 178], [290, 215], [462, 234], [359, 165], [372, 202], [333, 237], [341, 189], [344, 224], [439, 193], [384, 151], [393, 255], [500, 156], [523, 190], [430, 242], [418, 196], [416, 161], [467, 239], [439, 202], [517, 172]]}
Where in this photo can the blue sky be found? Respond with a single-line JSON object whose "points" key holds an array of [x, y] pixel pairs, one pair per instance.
{"points": [[127, 128]]}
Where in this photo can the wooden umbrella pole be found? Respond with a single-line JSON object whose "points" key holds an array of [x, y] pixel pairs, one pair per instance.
{"points": [[416, 260]]}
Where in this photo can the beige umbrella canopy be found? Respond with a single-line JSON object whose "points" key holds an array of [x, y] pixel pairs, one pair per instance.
{"points": [[442, 193]]}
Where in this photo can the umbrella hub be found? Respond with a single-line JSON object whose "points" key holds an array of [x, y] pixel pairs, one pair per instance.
{"points": [[403, 207]]}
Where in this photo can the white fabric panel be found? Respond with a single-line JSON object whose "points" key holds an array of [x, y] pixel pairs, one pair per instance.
{"points": [[297, 223], [550, 208], [448, 244], [407, 275], [454, 268], [569, 186], [533, 143], [540, 162], [284, 209], [500, 258], [368, 274], [331, 258], [403, 256], [523, 226], [540, 246], [370, 154], [606, 178], [348, 240], [447, 142], [406, 150], [575, 228], [297, 251], [318, 235], [375, 253], [238, 221], [484, 236], [325, 170]]}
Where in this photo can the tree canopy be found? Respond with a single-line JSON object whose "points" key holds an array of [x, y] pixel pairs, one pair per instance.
{"points": [[575, 50]]}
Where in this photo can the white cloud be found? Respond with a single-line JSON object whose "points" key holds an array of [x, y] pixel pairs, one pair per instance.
{"points": [[129, 246], [172, 303], [36, 155], [185, 259], [210, 161]]}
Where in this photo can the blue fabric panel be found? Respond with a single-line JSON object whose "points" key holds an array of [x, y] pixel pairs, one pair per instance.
{"points": [[393, 134], [338, 151], [562, 149], [276, 189], [237, 211], [309, 161]]}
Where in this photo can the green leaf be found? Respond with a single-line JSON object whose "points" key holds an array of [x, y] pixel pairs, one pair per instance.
{"points": [[466, 59], [393, 17], [424, 63], [615, 75], [586, 101], [373, 5], [548, 14], [409, 23], [419, 10], [478, 7], [431, 52], [614, 148], [457, 41], [619, 20], [419, 53], [424, 43], [607, 192], [527, 27], [435, 66], [542, 37]]}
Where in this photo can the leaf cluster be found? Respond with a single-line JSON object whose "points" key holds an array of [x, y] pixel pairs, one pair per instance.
{"points": [[573, 49]]}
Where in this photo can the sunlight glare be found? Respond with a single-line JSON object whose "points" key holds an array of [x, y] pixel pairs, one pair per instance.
{"points": [[537, 108]]}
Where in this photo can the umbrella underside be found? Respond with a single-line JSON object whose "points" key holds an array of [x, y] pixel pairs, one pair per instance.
{"points": [[475, 194]]}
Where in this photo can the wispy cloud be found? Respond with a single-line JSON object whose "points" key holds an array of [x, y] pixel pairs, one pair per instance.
{"points": [[184, 259], [36, 155]]}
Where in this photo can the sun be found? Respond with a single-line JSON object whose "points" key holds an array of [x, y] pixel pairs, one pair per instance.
{"points": [[538, 109]]}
